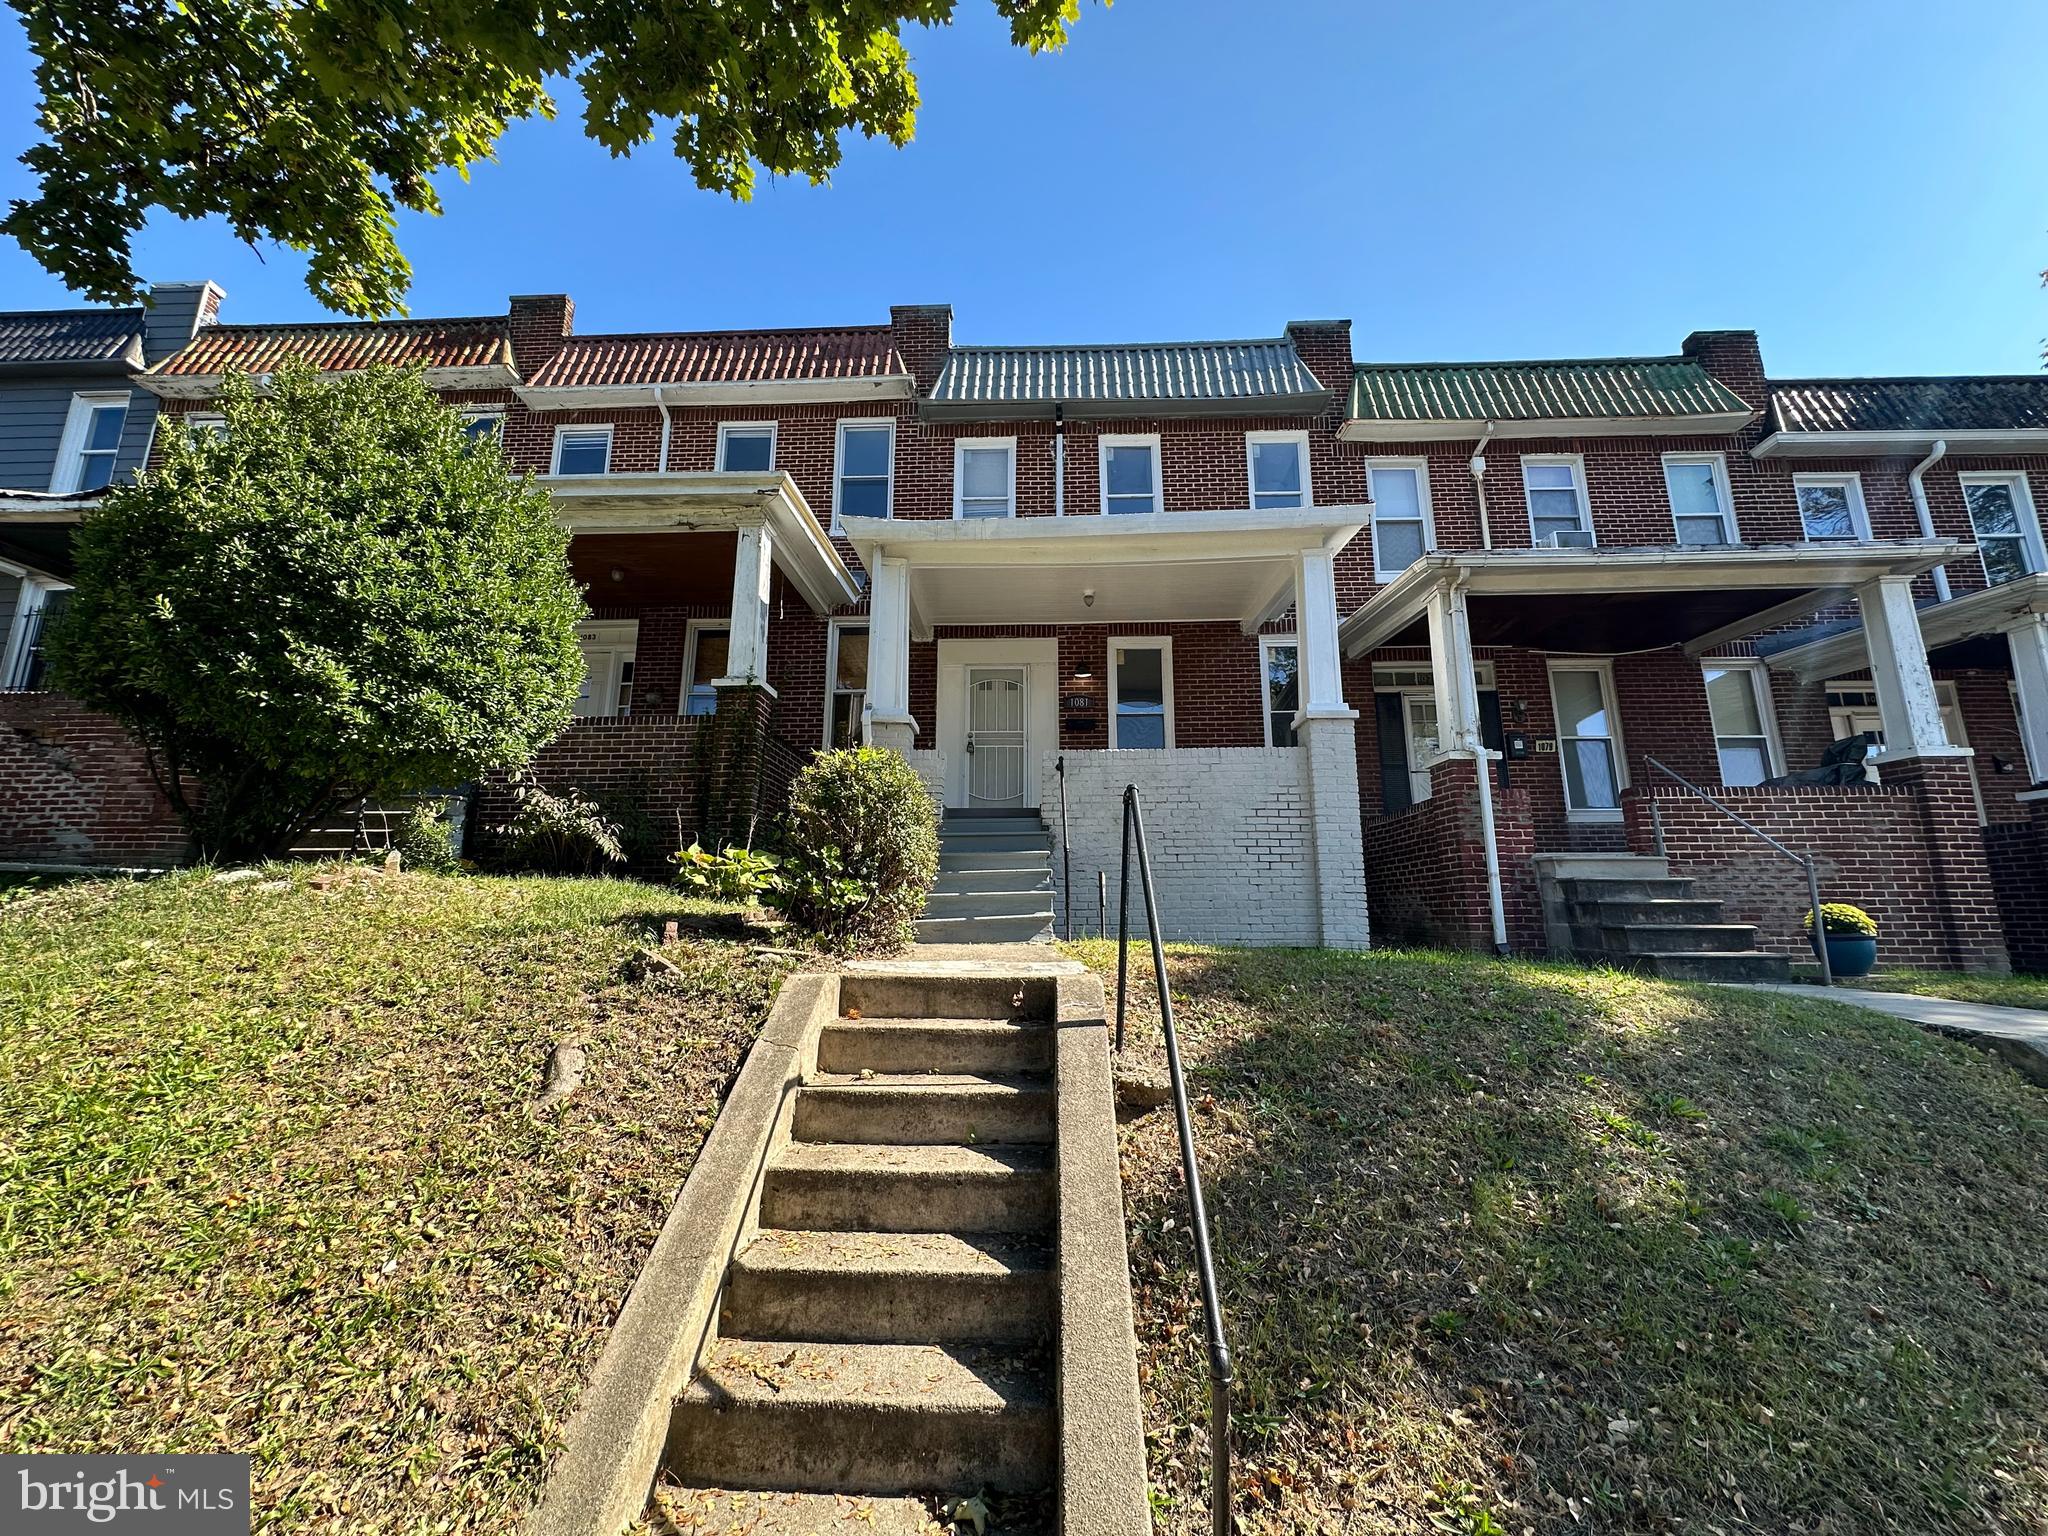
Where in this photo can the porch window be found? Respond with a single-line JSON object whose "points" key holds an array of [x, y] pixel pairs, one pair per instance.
{"points": [[91, 443], [985, 477], [608, 648], [583, 450], [1740, 709], [709, 648], [1559, 516], [1130, 474], [1402, 529], [746, 447], [1586, 742], [1280, 673], [1853, 710], [1702, 512], [849, 685], [1831, 507], [1141, 694], [2002, 518], [1278, 468], [867, 452], [24, 660]]}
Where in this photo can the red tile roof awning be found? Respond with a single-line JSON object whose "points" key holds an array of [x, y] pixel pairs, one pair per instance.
{"points": [[722, 357]]}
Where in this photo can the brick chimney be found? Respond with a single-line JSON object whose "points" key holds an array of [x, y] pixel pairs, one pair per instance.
{"points": [[1733, 357], [539, 323], [1325, 347], [923, 334]]}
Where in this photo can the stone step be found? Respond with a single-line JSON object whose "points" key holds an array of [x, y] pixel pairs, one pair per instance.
{"points": [[1027, 903], [1609, 913], [996, 842], [933, 1045], [731, 1512], [942, 994], [864, 1418], [1677, 938], [1724, 965], [880, 1288], [962, 860], [924, 1109], [985, 930], [963, 882], [842, 1187], [984, 823], [1631, 889]]}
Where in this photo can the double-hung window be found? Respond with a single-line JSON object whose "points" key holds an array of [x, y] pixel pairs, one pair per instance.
{"points": [[1130, 474], [1559, 514], [583, 450], [1831, 507], [746, 447], [861, 484], [709, 647], [1141, 693], [1588, 746], [1740, 706], [985, 477], [91, 443], [2002, 518], [1702, 512], [1402, 529], [1277, 463], [1280, 676], [849, 694], [608, 646]]}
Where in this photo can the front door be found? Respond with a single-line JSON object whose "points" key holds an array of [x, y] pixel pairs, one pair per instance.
{"points": [[997, 736]]}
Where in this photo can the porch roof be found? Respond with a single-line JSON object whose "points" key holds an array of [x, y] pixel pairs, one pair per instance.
{"points": [[1952, 623], [1154, 567], [712, 502], [1602, 601]]}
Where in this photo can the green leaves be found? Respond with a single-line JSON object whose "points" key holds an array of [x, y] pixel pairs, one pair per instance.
{"points": [[312, 124]]}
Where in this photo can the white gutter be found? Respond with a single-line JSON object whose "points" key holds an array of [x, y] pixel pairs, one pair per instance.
{"points": [[1927, 517], [661, 400], [1059, 461], [1479, 489]]}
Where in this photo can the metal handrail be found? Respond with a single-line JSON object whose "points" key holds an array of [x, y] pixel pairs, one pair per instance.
{"points": [[1804, 860], [1219, 1351], [1059, 767]]}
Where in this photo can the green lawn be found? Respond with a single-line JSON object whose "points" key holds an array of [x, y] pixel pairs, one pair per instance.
{"points": [[2008, 991], [271, 1178], [1512, 1247]]}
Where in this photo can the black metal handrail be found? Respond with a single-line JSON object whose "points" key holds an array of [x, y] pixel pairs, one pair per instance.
{"points": [[1804, 860], [1219, 1351], [1059, 767]]}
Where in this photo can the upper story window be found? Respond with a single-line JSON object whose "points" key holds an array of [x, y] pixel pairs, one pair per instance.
{"points": [[1831, 507], [583, 450], [861, 485], [985, 477], [482, 427], [2002, 517], [746, 447], [1559, 515], [1279, 469], [91, 443], [1130, 474], [1702, 511], [1403, 530]]}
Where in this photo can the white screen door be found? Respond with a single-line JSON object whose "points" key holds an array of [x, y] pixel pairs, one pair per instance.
{"points": [[996, 735]]}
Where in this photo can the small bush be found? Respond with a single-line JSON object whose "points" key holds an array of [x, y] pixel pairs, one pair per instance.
{"points": [[425, 839], [863, 849], [561, 834], [738, 874], [1842, 921]]}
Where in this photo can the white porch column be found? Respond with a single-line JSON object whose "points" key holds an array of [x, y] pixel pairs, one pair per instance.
{"points": [[1327, 729], [1315, 619], [889, 723], [1906, 701], [2027, 637], [753, 575], [1458, 731]]}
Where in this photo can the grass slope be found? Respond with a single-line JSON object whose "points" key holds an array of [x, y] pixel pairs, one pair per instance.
{"points": [[2005, 991], [1513, 1247], [271, 1179]]}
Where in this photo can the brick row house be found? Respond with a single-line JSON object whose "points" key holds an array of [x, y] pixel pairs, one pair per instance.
{"points": [[1390, 651]]}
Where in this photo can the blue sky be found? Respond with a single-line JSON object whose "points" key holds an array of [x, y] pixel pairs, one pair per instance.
{"points": [[1865, 182]]}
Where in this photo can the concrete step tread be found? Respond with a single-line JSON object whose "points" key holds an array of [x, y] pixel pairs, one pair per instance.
{"points": [[1685, 927], [893, 1255], [755, 1512], [991, 1085], [918, 1378], [991, 1162], [985, 930], [961, 1025]]}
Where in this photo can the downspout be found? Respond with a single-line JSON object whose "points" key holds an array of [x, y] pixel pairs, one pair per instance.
{"points": [[1485, 542], [1477, 746], [1927, 517], [1059, 460], [661, 401]]}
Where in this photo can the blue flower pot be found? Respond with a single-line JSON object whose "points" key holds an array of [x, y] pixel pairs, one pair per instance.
{"points": [[1849, 955]]}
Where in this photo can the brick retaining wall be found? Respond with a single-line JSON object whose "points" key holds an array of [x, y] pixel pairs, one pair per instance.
{"points": [[75, 789]]}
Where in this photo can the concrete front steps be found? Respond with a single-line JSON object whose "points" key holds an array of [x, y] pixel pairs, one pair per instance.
{"points": [[995, 880], [1628, 910]]}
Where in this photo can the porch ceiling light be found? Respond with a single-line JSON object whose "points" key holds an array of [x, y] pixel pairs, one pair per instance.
{"points": [[1087, 597], [618, 573], [1083, 672]]}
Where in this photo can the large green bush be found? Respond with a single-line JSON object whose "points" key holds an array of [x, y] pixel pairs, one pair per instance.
{"points": [[863, 849], [338, 596]]}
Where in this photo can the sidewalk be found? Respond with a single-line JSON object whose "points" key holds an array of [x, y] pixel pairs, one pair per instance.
{"points": [[2020, 1035]]}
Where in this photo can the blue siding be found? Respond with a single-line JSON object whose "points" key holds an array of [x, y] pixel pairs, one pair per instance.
{"points": [[32, 415]]}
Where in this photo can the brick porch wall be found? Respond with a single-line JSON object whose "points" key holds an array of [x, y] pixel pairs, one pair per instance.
{"points": [[75, 789], [1425, 868], [2017, 852]]}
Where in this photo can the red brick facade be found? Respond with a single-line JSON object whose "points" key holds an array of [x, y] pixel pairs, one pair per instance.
{"points": [[75, 789]]}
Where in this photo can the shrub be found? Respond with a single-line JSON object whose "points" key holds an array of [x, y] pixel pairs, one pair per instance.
{"points": [[1842, 921], [863, 848], [738, 874], [425, 839], [561, 834]]}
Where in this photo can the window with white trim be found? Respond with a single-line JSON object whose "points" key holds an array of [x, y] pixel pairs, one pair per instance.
{"points": [[848, 696], [1140, 694], [985, 477], [1740, 705], [482, 428], [1853, 710], [2002, 519], [212, 422], [608, 647], [1280, 679], [710, 646], [583, 450], [1277, 466], [864, 472], [1588, 741], [1559, 514], [1702, 510], [91, 444], [1130, 473], [1831, 507], [24, 659], [1403, 527], [746, 447]]}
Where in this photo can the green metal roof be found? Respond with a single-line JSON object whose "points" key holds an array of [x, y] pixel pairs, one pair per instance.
{"points": [[1605, 389]]}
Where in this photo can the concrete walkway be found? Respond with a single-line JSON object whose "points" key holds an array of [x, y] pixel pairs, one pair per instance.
{"points": [[2020, 1035]]}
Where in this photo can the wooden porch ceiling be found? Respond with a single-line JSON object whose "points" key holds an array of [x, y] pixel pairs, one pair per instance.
{"points": [[1605, 623], [655, 570]]}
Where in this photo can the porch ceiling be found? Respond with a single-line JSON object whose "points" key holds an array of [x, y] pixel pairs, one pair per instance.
{"points": [[1961, 632], [44, 547], [648, 570]]}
